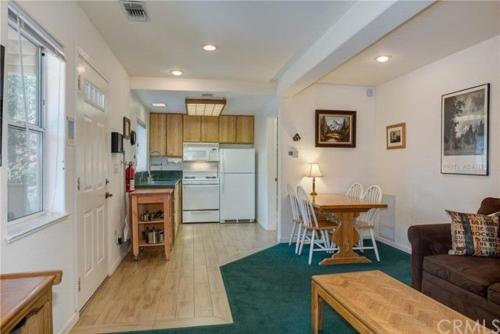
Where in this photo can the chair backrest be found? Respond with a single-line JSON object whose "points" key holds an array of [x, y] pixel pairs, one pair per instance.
{"points": [[372, 194], [355, 190], [307, 210], [292, 195]]}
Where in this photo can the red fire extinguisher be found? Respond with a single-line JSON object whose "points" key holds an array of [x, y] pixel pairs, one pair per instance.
{"points": [[130, 177]]}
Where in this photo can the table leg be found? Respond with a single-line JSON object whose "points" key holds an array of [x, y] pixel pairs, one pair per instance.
{"points": [[316, 310], [345, 237]]}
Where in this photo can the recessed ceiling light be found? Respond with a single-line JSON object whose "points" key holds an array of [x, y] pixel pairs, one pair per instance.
{"points": [[158, 105], [383, 58], [177, 73], [209, 47]]}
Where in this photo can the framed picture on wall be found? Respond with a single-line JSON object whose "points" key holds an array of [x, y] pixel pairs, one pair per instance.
{"points": [[335, 128], [396, 136], [465, 131]]}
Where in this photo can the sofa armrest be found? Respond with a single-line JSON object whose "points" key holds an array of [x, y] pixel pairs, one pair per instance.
{"points": [[426, 240]]}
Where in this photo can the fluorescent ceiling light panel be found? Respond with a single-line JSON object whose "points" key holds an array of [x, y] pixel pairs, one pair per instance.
{"points": [[205, 107], [177, 73]]}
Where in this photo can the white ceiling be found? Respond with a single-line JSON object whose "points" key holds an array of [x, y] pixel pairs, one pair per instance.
{"points": [[255, 40], [442, 29], [242, 104]]}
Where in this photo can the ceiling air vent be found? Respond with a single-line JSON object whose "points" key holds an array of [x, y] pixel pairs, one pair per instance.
{"points": [[136, 10]]}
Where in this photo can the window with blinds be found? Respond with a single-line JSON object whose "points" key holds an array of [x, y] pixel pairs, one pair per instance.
{"points": [[34, 83]]}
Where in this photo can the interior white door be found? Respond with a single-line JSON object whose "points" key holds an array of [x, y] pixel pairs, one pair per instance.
{"points": [[92, 152]]}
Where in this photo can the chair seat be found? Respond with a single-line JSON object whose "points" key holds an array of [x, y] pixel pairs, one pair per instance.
{"points": [[472, 273]]}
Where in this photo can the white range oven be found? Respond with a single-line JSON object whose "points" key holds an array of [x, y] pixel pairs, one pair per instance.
{"points": [[200, 196]]}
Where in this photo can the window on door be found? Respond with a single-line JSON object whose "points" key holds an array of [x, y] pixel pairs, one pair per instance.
{"points": [[142, 144], [35, 108]]}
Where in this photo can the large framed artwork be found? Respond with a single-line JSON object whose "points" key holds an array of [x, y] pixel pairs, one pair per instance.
{"points": [[335, 128], [465, 131]]}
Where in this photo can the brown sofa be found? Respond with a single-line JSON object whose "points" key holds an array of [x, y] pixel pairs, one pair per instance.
{"points": [[470, 285]]}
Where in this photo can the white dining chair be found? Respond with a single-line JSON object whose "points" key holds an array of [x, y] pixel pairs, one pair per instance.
{"points": [[296, 219], [355, 191], [317, 236], [366, 220]]}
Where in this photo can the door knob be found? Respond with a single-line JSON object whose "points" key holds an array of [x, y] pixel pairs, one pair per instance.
{"points": [[108, 194]]}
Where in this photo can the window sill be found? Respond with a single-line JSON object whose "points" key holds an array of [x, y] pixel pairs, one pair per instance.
{"points": [[32, 225]]}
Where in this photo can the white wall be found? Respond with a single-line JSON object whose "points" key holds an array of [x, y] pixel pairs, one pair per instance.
{"points": [[54, 247], [265, 147], [412, 175], [340, 166]]}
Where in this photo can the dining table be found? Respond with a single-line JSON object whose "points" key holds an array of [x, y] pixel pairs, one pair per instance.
{"points": [[345, 236]]}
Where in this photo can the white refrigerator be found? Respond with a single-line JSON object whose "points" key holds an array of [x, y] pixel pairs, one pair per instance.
{"points": [[237, 184]]}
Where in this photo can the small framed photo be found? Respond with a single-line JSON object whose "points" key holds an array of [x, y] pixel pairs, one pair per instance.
{"points": [[465, 131], [126, 128], [335, 128], [396, 136]]}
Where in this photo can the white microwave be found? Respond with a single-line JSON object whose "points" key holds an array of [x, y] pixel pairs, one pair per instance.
{"points": [[201, 152]]}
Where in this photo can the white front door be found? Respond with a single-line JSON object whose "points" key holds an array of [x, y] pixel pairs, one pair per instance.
{"points": [[92, 150]]}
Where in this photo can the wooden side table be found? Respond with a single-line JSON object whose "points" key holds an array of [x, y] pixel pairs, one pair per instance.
{"points": [[26, 302]]}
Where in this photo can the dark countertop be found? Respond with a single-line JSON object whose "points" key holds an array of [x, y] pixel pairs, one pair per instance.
{"points": [[167, 183], [160, 179]]}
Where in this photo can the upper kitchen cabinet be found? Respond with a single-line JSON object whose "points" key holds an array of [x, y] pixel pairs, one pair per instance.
{"points": [[210, 129], [192, 128], [227, 129], [158, 134], [174, 135], [244, 129]]}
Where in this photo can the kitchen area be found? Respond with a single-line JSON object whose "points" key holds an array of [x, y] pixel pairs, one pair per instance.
{"points": [[201, 169]]}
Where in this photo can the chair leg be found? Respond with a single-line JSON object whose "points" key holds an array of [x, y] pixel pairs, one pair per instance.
{"points": [[293, 232], [375, 248], [311, 249], [297, 240], [302, 241], [360, 241]]}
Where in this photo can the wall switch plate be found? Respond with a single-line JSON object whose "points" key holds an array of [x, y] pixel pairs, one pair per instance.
{"points": [[293, 152]]}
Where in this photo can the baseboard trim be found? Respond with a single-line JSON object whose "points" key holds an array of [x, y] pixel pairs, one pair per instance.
{"points": [[394, 244], [68, 326]]}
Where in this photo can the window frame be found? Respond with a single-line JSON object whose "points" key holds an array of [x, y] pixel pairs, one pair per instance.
{"points": [[31, 127]]}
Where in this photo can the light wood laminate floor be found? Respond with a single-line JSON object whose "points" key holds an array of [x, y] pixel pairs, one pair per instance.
{"points": [[186, 291]]}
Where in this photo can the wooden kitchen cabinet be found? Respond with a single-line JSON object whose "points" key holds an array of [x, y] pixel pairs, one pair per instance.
{"points": [[192, 128], [210, 129], [227, 129], [157, 134], [174, 135], [244, 129]]}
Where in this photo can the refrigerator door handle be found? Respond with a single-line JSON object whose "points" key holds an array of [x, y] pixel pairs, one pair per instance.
{"points": [[221, 177]]}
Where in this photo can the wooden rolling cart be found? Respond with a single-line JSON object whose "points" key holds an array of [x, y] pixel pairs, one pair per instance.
{"points": [[152, 200]]}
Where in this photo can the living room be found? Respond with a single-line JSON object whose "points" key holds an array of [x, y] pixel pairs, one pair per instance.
{"points": [[379, 207]]}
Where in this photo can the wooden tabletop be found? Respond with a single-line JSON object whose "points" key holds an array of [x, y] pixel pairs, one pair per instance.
{"points": [[19, 290], [341, 201], [385, 305], [146, 191]]}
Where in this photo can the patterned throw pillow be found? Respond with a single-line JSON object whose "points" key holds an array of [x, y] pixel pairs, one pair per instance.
{"points": [[475, 234]]}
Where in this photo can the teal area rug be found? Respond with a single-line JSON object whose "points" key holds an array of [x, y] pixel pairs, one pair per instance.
{"points": [[269, 292]]}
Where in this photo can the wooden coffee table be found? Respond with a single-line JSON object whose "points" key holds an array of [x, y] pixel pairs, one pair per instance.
{"points": [[373, 302]]}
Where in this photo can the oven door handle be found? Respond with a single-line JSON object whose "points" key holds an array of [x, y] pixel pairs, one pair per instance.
{"points": [[201, 186]]}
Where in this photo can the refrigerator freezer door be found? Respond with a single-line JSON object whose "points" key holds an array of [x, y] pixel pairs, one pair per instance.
{"points": [[237, 197], [238, 160]]}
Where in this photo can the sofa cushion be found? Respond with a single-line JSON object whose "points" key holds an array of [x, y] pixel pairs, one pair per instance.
{"points": [[475, 234], [489, 205], [494, 293], [475, 274]]}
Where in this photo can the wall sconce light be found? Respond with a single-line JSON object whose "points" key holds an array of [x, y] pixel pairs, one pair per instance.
{"points": [[296, 137]]}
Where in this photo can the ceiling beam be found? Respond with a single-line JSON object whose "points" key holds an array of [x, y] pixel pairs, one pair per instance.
{"points": [[363, 24], [202, 85]]}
